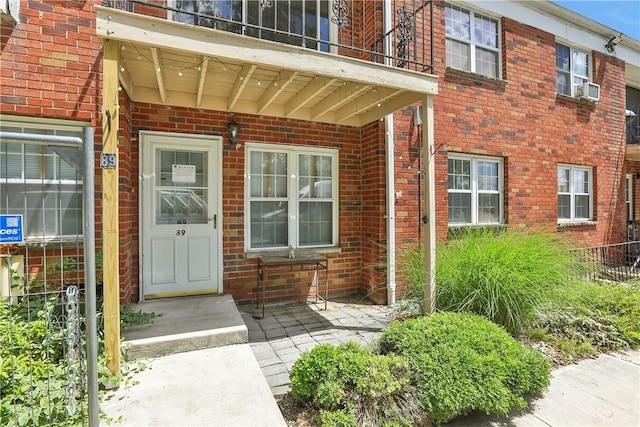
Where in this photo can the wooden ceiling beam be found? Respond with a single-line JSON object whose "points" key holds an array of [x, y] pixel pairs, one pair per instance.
{"points": [[310, 91], [284, 79], [241, 84], [373, 98], [343, 95], [157, 65], [201, 80]]}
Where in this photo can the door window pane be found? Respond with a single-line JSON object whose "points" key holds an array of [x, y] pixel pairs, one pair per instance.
{"points": [[181, 190]]}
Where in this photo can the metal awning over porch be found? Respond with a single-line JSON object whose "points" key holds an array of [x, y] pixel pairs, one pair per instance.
{"points": [[171, 63]]}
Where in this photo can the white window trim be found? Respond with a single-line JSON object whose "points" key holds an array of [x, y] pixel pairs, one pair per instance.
{"points": [[473, 45], [572, 74], [292, 185], [629, 197], [474, 189], [572, 194]]}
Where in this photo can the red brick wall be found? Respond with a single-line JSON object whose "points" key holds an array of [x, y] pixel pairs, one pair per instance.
{"points": [[51, 68], [128, 156], [523, 121], [374, 231], [240, 273], [51, 62]]}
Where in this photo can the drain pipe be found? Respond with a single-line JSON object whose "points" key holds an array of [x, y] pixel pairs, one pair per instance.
{"points": [[391, 211], [390, 174]]}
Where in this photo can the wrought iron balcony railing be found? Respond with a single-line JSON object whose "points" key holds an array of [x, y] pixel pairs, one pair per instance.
{"points": [[401, 37]]}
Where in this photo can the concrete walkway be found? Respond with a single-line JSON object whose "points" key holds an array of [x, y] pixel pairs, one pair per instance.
{"points": [[602, 392], [234, 385], [220, 386]]}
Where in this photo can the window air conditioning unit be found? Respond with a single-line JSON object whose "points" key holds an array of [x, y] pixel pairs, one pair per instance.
{"points": [[9, 10], [589, 91]]}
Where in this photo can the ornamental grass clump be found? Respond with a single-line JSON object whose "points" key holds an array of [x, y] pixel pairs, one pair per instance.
{"points": [[504, 276], [462, 362]]}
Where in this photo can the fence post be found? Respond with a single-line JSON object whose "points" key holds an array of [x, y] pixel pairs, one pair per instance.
{"points": [[89, 233]]}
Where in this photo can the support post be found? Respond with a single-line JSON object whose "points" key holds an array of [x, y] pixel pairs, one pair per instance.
{"points": [[429, 206], [89, 233], [110, 232]]}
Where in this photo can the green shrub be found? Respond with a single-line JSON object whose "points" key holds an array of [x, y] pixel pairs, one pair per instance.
{"points": [[503, 276], [586, 317], [371, 388], [33, 375], [463, 363], [339, 418]]}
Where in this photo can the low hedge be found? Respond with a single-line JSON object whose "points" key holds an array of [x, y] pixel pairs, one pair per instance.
{"points": [[354, 386], [463, 363]]}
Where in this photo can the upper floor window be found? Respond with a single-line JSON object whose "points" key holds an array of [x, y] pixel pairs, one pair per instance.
{"points": [[291, 197], [575, 193], [42, 183], [472, 41], [475, 190], [572, 69], [298, 22]]}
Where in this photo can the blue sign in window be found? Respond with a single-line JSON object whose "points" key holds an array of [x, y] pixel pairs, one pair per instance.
{"points": [[11, 230]]}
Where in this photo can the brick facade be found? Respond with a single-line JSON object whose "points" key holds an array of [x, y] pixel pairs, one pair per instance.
{"points": [[51, 68]]}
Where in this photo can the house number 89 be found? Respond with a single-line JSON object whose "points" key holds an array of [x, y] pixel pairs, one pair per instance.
{"points": [[180, 233]]}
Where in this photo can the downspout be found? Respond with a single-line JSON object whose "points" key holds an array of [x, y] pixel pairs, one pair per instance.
{"points": [[390, 173]]}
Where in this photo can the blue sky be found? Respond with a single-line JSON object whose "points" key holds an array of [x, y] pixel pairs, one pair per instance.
{"points": [[621, 15]]}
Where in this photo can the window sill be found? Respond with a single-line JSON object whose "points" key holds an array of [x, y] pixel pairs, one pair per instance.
{"points": [[562, 225], [455, 73], [457, 230], [301, 251], [574, 100]]}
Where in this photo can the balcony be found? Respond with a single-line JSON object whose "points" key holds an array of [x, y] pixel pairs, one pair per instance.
{"points": [[632, 120], [343, 62]]}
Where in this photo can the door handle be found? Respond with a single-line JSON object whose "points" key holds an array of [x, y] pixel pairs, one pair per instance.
{"points": [[214, 218]]}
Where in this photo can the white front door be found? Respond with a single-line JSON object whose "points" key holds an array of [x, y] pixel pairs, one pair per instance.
{"points": [[181, 244]]}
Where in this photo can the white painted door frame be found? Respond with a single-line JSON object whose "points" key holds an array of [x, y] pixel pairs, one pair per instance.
{"points": [[149, 142]]}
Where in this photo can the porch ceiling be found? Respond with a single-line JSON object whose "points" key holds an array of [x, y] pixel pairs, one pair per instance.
{"points": [[170, 63]]}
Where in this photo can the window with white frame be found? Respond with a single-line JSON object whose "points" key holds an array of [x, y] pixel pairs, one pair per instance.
{"points": [[292, 197], [572, 69], [475, 190], [575, 193], [42, 183], [473, 41]]}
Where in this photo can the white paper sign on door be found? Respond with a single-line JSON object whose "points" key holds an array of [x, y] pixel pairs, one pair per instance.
{"points": [[183, 173]]}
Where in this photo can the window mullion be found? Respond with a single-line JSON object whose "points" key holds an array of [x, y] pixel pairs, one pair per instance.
{"points": [[293, 198], [474, 191], [472, 44]]}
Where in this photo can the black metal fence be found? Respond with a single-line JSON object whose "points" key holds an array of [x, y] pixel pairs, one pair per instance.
{"points": [[618, 262]]}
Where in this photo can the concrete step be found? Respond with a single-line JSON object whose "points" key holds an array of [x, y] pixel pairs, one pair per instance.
{"points": [[184, 324]]}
